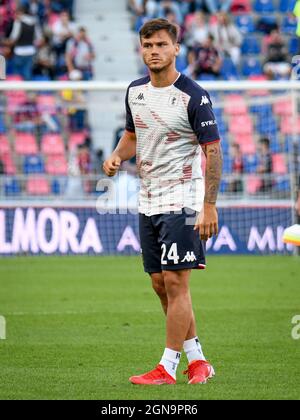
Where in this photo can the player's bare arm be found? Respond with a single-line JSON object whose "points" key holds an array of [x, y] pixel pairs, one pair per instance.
{"points": [[207, 222], [125, 150]]}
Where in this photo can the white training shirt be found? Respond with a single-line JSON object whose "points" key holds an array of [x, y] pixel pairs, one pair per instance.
{"points": [[171, 124]]}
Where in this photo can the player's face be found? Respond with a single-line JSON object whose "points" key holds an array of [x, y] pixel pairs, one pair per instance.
{"points": [[159, 51]]}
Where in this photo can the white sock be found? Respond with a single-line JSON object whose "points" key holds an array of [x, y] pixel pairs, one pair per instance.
{"points": [[193, 350], [170, 361]]}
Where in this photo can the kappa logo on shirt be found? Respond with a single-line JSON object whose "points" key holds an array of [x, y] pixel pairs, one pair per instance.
{"points": [[141, 97], [205, 101], [190, 257]]}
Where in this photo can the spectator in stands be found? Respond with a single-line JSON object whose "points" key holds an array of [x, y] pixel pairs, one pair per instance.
{"points": [[84, 159], [27, 118], [24, 37], [236, 184], [7, 14], [2, 171], [265, 165], [204, 60], [57, 6], [37, 8], [197, 31], [45, 59], [227, 36], [74, 186], [215, 6], [277, 62], [80, 55], [85, 163], [6, 23], [63, 30], [167, 6], [137, 7]]}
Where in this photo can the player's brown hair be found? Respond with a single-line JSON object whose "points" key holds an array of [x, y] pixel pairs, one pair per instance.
{"points": [[155, 25]]}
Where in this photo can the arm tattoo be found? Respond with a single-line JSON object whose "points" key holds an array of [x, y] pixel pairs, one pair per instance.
{"points": [[213, 174]]}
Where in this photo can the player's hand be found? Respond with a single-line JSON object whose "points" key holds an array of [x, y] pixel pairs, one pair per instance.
{"points": [[112, 165], [207, 222]]}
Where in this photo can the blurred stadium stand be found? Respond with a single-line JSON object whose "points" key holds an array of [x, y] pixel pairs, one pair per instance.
{"points": [[40, 132]]}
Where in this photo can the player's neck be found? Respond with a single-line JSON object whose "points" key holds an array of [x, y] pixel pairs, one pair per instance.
{"points": [[164, 79]]}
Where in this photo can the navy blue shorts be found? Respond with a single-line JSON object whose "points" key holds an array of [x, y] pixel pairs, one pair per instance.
{"points": [[169, 242]]}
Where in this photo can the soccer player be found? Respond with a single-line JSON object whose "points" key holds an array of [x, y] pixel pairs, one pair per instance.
{"points": [[169, 119]]}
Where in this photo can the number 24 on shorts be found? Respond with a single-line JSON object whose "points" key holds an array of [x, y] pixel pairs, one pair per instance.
{"points": [[172, 254]]}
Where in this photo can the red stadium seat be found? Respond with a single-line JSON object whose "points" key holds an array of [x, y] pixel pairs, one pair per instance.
{"points": [[15, 100], [4, 145], [14, 78], [283, 107], [25, 144], [288, 126], [258, 92], [53, 144], [46, 103], [253, 184], [279, 164], [241, 6], [57, 165], [240, 125], [9, 164], [246, 143], [235, 105], [76, 139], [38, 186]]}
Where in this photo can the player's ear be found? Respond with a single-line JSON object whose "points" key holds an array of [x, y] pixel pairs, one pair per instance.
{"points": [[177, 49]]}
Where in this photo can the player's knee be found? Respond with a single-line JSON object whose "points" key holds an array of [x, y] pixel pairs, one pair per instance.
{"points": [[158, 285], [176, 284]]}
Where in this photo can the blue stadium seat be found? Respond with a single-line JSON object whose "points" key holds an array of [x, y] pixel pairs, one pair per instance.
{"points": [[2, 125], [56, 187], [225, 143], [275, 146], [267, 126], [218, 111], [289, 25], [250, 46], [264, 6], [12, 187], [33, 165], [294, 46], [207, 77], [287, 6], [251, 163], [252, 67], [223, 187], [227, 164], [229, 70], [283, 185], [263, 110], [222, 125], [181, 63], [245, 23]]}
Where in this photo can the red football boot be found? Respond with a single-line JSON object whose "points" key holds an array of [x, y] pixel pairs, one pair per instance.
{"points": [[157, 376], [199, 372]]}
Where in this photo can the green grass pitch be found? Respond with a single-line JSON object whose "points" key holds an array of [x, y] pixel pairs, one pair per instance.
{"points": [[77, 328]]}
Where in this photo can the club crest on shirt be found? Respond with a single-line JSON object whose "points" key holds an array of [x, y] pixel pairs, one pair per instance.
{"points": [[173, 100]]}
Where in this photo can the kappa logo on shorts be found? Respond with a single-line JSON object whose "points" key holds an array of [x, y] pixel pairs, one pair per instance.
{"points": [[190, 257]]}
